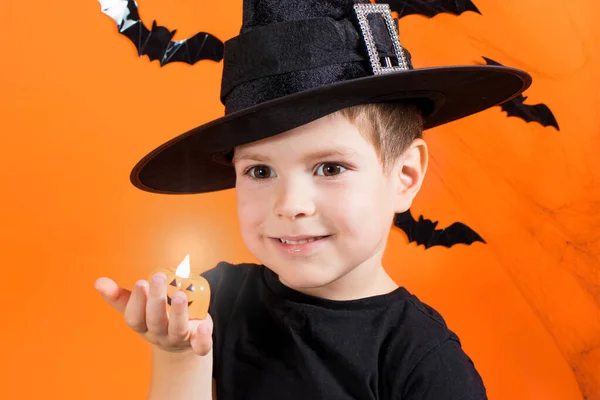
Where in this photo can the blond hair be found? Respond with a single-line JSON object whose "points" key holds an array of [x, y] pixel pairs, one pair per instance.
{"points": [[389, 127]]}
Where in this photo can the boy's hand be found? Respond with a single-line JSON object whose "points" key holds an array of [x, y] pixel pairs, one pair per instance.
{"points": [[145, 311]]}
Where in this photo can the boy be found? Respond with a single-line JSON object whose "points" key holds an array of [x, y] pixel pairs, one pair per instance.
{"points": [[322, 142]]}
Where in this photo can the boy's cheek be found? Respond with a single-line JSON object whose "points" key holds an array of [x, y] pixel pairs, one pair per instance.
{"points": [[250, 213], [252, 219]]}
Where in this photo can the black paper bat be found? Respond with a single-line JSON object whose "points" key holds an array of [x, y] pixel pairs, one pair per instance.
{"points": [[431, 8], [539, 113], [156, 43], [424, 231]]}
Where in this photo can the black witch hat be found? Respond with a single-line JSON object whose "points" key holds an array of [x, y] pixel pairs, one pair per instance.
{"points": [[295, 61]]}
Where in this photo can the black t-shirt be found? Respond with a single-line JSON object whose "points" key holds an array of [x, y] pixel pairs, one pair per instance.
{"points": [[272, 342]]}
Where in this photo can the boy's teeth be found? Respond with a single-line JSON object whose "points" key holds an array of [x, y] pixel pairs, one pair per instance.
{"points": [[299, 241]]}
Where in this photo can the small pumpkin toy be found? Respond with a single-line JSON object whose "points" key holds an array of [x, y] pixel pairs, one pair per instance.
{"points": [[196, 288]]}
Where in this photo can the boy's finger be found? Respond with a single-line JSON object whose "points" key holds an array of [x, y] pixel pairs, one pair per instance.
{"points": [[156, 307], [135, 312], [115, 296], [201, 337], [178, 318]]}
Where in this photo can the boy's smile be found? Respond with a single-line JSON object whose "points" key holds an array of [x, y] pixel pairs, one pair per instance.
{"points": [[315, 207], [300, 245]]}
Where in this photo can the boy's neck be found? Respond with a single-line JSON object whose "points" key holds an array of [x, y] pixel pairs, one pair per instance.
{"points": [[360, 283]]}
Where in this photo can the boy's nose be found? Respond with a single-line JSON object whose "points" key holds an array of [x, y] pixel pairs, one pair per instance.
{"points": [[293, 201]]}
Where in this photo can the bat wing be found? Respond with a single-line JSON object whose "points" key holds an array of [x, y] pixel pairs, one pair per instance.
{"points": [[457, 233], [539, 113], [542, 114], [489, 61], [515, 108], [201, 46], [528, 113], [157, 42], [431, 8], [423, 232]]}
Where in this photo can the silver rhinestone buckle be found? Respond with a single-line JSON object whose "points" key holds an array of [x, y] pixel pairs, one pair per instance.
{"points": [[362, 10]]}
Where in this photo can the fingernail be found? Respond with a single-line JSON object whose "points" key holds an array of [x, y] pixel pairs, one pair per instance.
{"points": [[158, 279], [141, 284], [178, 298]]}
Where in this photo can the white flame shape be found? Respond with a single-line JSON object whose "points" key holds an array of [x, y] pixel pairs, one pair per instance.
{"points": [[183, 270]]}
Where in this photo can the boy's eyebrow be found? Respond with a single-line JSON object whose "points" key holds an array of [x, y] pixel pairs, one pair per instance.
{"points": [[338, 151]]}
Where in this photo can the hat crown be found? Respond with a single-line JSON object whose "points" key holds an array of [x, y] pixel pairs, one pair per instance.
{"points": [[291, 46], [257, 13]]}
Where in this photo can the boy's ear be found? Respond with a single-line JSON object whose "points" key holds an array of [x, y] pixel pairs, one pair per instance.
{"points": [[410, 172]]}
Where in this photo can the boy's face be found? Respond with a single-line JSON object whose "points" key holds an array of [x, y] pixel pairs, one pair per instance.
{"points": [[323, 181]]}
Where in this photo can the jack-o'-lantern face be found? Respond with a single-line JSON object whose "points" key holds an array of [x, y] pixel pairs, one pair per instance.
{"points": [[195, 287], [197, 291], [185, 284]]}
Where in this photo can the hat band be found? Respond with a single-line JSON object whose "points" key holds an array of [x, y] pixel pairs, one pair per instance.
{"points": [[294, 46]]}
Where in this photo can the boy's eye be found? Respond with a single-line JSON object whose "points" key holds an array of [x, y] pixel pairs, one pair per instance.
{"points": [[261, 172], [330, 169], [324, 169]]}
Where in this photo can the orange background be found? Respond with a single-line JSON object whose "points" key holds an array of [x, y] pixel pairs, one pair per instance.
{"points": [[79, 109]]}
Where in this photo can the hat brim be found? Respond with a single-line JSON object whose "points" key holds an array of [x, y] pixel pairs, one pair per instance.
{"points": [[190, 163]]}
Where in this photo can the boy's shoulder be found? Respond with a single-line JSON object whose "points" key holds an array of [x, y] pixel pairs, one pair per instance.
{"points": [[396, 337]]}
